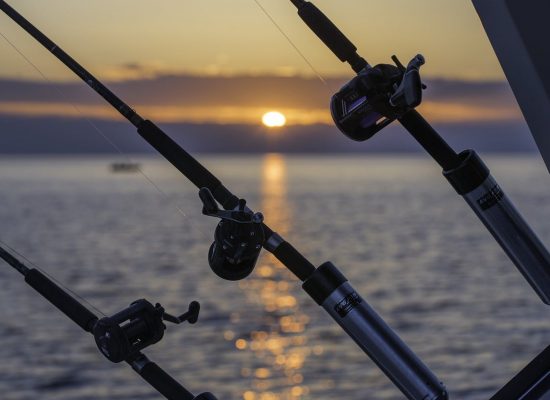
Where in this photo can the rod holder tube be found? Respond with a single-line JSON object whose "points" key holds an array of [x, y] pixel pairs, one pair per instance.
{"points": [[473, 181], [330, 289]]}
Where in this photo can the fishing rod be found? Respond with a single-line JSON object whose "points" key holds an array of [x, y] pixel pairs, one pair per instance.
{"points": [[241, 234], [379, 95], [121, 337]]}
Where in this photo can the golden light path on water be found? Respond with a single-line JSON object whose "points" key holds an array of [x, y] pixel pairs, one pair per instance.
{"points": [[280, 345]]}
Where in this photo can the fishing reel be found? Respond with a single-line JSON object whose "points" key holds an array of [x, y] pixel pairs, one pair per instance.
{"points": [[376, 97], [131, 330], [238, 238]]}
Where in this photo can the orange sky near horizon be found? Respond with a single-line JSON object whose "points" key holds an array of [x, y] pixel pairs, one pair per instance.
{"points": [[236, 37], [144, 39], [447, 112]]}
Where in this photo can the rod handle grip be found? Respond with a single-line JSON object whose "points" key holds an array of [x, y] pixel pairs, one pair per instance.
{"points": [[163, 383], [61, 299], [293, 260], [330, 35], [185, 163]]}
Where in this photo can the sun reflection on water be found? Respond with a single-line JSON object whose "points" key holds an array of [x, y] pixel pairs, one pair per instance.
{"points": [[279, 344]]}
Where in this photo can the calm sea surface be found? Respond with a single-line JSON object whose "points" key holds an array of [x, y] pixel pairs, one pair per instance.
{"points": [[405, 240]]}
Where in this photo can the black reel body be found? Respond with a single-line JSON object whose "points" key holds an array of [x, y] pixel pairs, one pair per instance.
{"points": [[238, 239], [376, 97], [235, 250], [353, 111], [129, 331]]}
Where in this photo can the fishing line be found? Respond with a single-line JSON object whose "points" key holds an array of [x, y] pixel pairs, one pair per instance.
{"points": [[98, 130], [289, 40], [60, 284]]}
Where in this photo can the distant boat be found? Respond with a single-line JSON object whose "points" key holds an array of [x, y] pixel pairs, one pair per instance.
{"points": [[125, 167]]}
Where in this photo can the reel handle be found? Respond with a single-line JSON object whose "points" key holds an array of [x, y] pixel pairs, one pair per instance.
{"points": [[123, 336], [191, 316], [408, 94]]}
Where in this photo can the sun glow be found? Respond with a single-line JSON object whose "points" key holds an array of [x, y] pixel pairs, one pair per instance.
{"points": [[273, 119]]}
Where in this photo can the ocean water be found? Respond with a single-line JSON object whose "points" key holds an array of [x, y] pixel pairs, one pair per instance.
{"points": [[405, 240]]}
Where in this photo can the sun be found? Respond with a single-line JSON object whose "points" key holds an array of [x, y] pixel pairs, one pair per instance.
{"points": [[273, 119]]}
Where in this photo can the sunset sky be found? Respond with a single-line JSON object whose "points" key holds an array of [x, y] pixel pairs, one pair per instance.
{"points": [[225, 62], [234, 36]]}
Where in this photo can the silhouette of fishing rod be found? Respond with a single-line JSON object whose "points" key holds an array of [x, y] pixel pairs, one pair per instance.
{"points": [[384, 93], [121, 337], [379, 95], [241, 234]]}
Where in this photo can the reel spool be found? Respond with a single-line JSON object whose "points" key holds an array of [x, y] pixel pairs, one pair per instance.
{"points": [[376, 97], [238, 238]]}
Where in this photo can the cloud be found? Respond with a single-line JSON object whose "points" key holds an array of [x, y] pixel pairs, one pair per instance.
{"points": [[46, 135], [185, 98], [461, 112]]}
